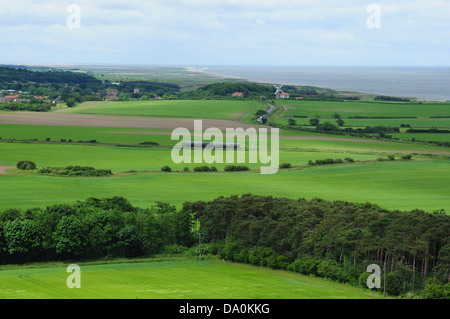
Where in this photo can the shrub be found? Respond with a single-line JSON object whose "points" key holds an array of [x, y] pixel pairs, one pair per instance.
{"points": [[326, 161], [186, 169], [166, 169], [278, 262], [349, 159], [394, 284], [202, 169], [260, 256], [230, 251], [391, 157], [76, 171], [305, 266], [26, 165], [407, 157], [434, 289], [236, 168], [329, 269], [362, 280], [174, 249], [285, 165], [149, 143], [243, 256], [213, 169]]}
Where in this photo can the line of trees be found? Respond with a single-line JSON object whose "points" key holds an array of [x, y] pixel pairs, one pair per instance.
{"points": [[415, 245], [75, 171], [93, 228], [335, 240]]}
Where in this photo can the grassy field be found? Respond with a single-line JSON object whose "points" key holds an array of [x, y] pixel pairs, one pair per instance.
{"points": [[442, 123], [169, 279], [100, 134], [213, 109], [420, 183], [358, 114], [138, 158], [326, 109], [393, 185], [131, 136]]}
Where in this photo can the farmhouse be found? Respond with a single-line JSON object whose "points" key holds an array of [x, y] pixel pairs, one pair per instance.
{"points": [[238, 94], [284, 95]]}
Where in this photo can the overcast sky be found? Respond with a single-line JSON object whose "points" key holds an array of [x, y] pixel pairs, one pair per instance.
{"points": [[226, 32]]}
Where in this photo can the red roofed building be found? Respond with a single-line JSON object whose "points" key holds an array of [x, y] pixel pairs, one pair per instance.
{"points": [[238, 94], [11, 97], [111, 94]]}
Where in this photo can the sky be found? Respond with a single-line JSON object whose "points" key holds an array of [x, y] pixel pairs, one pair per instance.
{"points": [[226, 32]]}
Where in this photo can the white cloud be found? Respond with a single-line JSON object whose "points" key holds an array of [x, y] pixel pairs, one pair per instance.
{"points": [[224, 31]]}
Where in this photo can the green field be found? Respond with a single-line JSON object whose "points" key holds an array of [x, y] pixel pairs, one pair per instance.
{"points": [[393, 185], [420, 183], [357, 114], [182, 279], [441, 123], [201, 109], [137, 158], [346, 109]]}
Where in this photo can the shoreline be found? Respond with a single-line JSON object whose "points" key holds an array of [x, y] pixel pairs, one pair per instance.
{"points": [[221, 76], [205, 71], [216, 75]]}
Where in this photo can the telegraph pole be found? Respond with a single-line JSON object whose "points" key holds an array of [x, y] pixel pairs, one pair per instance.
{"points": [[200, 245]]}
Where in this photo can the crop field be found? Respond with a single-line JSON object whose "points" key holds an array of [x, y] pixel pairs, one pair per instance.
{"points": [[443, 123], [227, 110], [379, 182], [101, 137], [168, 279], [346, 109], [423, 116]]}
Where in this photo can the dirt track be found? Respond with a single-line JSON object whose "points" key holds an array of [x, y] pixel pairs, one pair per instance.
{"points": [[83, 120], [3, 169]]}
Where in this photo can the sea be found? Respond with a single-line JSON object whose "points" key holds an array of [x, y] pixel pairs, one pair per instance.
{"points": [[426, 83]]}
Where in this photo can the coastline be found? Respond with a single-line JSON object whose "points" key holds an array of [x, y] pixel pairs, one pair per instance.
{"points": [[199, 70], [216, 75]]}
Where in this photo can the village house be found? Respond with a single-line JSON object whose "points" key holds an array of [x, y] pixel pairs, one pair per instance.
{"points": [[111, 94], [12, 98]]}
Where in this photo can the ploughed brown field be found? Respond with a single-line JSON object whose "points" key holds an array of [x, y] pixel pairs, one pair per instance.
{"points": [[55, 119], [84, 120]]}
